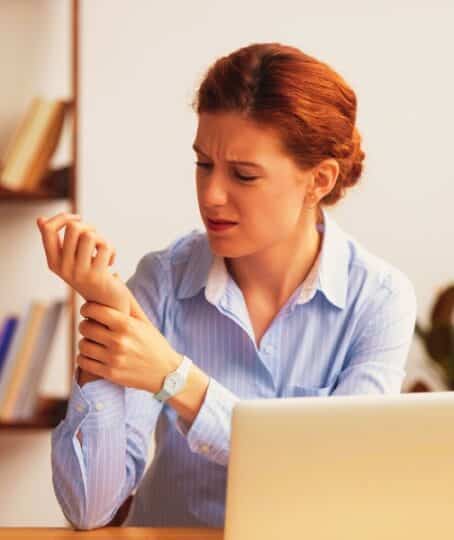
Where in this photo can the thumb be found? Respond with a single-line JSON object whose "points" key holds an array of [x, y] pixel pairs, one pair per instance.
{"points": [[136, 309]]}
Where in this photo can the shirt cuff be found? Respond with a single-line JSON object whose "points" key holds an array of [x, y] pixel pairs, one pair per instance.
{"points": [[209, 433], [99, 404]]}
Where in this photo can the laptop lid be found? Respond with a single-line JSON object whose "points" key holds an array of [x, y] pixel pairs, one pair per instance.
{"points": [[342, 467]]}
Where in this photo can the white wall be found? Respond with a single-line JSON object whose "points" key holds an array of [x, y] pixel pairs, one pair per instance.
{"points": [[141, 62]]}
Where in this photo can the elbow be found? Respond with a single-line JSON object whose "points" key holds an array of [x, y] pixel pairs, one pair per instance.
{"points": [[113, 518], [86, 526], [89, 524]]}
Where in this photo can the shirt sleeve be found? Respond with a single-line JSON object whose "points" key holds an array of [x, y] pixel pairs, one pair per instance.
{"points": [[376, 359], [209, 433], [93, 478]]}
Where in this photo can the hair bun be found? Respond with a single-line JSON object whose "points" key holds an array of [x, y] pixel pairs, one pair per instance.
{"points": [[350, 157], [357, 158]]}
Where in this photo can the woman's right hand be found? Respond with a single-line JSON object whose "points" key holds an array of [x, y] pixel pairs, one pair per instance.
{"points": [[73, 260], [74, 263]]}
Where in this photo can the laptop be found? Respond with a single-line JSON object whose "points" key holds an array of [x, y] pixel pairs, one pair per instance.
{"points": [[369, 467]]}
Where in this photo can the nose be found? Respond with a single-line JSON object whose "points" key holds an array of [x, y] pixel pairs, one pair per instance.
{"points": [[213, 191]]}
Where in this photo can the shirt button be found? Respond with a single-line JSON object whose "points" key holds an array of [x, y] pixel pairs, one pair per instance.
{"points": [[79, 407], [99, 406], [268, 349], [204, 448]]}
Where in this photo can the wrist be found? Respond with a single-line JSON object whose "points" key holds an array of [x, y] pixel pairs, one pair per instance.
{"points": [[122, 304], [188, 402], [174, 360]]}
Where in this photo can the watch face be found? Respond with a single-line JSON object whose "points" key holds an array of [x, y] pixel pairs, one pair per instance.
{"points": [[173, 382]]}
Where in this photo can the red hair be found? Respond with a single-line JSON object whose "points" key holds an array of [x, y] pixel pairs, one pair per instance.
{"points": [[304, 100]]}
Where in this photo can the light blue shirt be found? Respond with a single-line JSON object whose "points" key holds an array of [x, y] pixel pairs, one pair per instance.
{"points": [[346, 329]]}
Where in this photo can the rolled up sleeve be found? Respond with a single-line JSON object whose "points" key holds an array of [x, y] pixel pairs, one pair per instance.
{"points": [[209, 433]]}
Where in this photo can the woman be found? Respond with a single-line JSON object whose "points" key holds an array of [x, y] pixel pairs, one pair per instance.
{"points": [[281, 302]]}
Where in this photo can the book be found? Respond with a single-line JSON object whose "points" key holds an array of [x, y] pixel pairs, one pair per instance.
{"points": [[25, 403], [20, 359], [13, 352], [17, 140], [6, 335], [15, 154], [29, 152], [39, 169]]}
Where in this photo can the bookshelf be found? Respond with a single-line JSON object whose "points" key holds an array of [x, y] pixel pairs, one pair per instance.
{"points": [[50, 410], [53, 188]]}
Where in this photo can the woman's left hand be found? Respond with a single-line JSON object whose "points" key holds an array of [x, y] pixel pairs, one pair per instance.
{"points": [[125, 349]]}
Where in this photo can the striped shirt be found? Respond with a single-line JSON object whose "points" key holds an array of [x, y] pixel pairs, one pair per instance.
{"points": [[346, 329]]}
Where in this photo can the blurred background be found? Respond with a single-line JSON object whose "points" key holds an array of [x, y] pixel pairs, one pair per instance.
{"points": [[110, 82]]}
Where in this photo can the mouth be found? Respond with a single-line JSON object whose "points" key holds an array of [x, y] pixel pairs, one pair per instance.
{"points": [[220, 225]]}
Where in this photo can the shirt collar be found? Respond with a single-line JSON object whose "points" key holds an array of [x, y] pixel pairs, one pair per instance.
{"points": [[329, 274], [334, 262]]}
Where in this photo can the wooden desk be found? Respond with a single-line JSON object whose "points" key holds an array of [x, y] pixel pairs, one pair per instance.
{"points": [[135, 533]]}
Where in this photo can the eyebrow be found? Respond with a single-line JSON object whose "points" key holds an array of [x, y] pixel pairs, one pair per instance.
{"points": [[197, 149]]}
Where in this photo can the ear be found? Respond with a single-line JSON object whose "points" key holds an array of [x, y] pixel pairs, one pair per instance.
{"points": [[325, 177]]}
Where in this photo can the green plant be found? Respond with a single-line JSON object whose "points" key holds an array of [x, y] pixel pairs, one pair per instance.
{"points": [[439, 338]]}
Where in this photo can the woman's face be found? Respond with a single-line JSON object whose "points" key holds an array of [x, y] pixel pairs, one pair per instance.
{"points": [[265, 200]]}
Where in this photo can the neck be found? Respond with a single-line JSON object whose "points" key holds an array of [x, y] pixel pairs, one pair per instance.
{"points": [[275, 272]]}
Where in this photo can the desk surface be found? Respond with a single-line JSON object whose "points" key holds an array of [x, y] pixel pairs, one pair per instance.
{"points": [[136, 533]]}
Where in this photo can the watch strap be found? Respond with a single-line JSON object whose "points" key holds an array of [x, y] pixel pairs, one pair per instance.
{"points": [[183, 371]]}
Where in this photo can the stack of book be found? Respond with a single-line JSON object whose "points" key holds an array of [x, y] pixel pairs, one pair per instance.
{"points": [[24, 349], [26, 161]]}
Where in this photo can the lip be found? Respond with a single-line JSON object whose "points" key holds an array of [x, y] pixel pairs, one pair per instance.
{"points": [[219, 221], [219, 226]]}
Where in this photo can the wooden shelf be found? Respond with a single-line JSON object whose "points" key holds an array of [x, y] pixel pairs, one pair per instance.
{"points": [[50, 410], [59, 184], [54, 187]]}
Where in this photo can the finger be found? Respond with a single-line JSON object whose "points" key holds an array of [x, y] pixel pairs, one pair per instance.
{"points": [[92, 366], [62, 217], [88, 241], [136, 309], [49, 229], [93, 350], [95, 331], [112, 318], [103, 257], [70, 242]]}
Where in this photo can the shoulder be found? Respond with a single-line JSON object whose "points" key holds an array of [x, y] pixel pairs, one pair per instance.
{"points": [[157, 273], [375, 282], [169, 263]]}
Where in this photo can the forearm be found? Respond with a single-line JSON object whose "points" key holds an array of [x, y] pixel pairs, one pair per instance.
{"points": [[90, 482], [188, 402], [204, 418], [121, 303]]}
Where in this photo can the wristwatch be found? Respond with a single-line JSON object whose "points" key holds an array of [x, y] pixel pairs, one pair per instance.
{"points": [[174, 381]]}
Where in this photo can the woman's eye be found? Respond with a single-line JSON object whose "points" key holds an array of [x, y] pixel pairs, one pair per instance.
{"points": [[246, 178], [238, 175], [199, 164]]}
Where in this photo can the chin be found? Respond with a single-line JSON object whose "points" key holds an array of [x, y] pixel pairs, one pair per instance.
{"points": [[227, 252], [230, 250], [222, 249]]}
